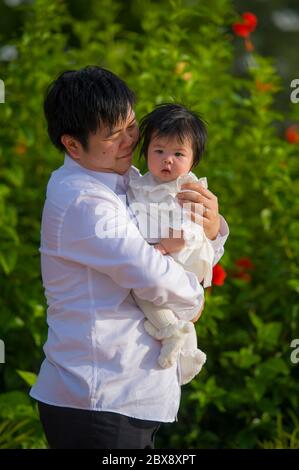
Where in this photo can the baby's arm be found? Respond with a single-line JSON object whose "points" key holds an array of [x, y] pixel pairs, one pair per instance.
{"points": [[173, 244]]}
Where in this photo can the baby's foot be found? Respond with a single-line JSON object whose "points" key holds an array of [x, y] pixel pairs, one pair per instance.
{"points": [[165, 362], [170, 350], [176, 329], [150, 329], [191, 363], [200, 358]]}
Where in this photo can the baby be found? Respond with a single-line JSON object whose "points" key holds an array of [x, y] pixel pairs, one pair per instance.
{"points": [[172, 141]]}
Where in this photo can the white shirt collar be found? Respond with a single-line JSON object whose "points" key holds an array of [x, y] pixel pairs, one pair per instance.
{"points": [[117, 183]]}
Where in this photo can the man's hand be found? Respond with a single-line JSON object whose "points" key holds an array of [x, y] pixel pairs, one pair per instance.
{"points": [[199, 313], [173, 244], [203, 206]]}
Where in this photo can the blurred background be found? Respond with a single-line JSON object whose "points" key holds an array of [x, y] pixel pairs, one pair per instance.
{"points": [[232, 61]]}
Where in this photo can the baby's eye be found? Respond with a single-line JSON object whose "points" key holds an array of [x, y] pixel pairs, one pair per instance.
{"points": [[178, 154], [159, 151]]}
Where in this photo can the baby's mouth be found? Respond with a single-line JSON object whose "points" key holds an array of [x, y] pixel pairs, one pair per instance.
{"points": [[166, 171]]}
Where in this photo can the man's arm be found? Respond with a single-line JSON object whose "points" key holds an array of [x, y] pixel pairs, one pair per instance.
{"points": [[97, 232], [218, 243]]}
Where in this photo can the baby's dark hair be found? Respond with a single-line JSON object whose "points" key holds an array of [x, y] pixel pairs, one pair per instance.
{"points": [[173, 120], [78, 102]]}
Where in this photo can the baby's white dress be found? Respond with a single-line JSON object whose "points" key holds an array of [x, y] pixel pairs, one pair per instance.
{"points": [[156, 209]]}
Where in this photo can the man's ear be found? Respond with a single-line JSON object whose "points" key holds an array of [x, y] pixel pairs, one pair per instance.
{"points": [[72, 145]]}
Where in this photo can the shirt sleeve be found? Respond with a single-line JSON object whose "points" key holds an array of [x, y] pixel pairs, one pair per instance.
{"points": [[98, 233], [218, 243]]}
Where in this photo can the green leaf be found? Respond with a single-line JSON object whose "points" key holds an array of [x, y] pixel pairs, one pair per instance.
{"points": [[28, 377], [8, 261], [271, 368]]}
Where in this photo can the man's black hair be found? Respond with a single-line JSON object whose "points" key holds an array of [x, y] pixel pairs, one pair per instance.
{"points": [[78, 102], [174, 120]]}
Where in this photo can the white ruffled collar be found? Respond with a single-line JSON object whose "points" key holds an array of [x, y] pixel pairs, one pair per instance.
{"points": [[147, 183]]}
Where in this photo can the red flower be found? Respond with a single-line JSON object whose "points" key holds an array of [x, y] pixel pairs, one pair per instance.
{"points": [[241, 29], [247, 26], [292, 134], [219, 274], [250, 20], [244, 263]]}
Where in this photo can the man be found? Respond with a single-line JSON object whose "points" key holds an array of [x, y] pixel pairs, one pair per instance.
{"points": [[100, 385]]}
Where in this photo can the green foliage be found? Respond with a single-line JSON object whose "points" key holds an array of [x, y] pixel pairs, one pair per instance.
{"points": [[284, 439], [182, 51], [20, 427]]}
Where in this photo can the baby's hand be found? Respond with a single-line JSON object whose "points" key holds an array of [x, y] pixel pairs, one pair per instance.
{"points": [[173, 244], [160, 248]]}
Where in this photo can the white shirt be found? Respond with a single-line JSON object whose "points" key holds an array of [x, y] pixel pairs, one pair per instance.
{"points": [[98, 355]]}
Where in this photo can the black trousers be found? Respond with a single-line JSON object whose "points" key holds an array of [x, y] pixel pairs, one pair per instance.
{"points": [[69, 428]]}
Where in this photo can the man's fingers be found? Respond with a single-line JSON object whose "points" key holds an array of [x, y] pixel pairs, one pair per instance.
{"points": [[198, 213], [197, 208], [198, 187], [194, 197], [192, 206]]}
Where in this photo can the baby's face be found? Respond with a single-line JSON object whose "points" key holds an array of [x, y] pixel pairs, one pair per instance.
{"points": [[168, 158]]}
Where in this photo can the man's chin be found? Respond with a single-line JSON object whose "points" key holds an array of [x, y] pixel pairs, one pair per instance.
{"points": [[122, 169]]}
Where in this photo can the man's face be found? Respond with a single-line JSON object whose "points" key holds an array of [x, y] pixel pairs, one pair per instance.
{"points": [[168, 158], [109, 150]]}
